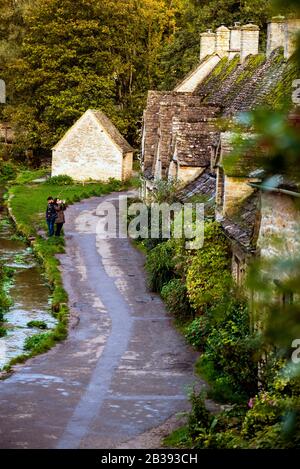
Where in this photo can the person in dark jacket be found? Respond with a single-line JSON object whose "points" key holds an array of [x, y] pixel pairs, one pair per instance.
{"points": [[51, 215], [60, 207]]}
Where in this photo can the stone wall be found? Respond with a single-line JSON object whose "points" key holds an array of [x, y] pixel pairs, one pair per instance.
{"points": [[280, 226], [127, 166], [249, 41], [187, 174], [87, 153], [236, 190]]}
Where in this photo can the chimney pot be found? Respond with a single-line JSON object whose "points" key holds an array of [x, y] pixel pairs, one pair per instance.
{"points": [[222, 40], [207, 44], [249, 40], [292, 27], [275, 34]]}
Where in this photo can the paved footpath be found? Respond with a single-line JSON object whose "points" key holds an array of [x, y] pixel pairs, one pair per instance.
{"points": [[123, 369]]}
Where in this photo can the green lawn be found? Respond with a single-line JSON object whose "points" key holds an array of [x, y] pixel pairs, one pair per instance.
{"points": [[28, 202]]}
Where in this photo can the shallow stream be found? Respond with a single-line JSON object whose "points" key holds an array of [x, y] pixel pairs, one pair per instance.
{"points": [[28, 290]]}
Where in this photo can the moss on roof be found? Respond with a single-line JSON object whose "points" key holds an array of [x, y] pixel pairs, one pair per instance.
{"points": [[219, 74], [281, 94], [258, 81]]}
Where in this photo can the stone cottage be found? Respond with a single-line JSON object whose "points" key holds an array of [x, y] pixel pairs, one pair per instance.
{"points": [[181, 139], [93, 148]]}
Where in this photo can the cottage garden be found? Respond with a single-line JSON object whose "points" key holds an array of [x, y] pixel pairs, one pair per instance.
{"points": [[259, 390], [222, 296]]}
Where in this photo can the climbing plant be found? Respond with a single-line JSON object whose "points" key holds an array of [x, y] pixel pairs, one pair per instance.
{"points": [[208, 276]]}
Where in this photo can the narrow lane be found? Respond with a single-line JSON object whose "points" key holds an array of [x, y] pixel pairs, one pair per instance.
{"points": [[123, 369]]}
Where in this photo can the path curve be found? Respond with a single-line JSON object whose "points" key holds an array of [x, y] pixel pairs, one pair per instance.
{"points": [[123, 369]]}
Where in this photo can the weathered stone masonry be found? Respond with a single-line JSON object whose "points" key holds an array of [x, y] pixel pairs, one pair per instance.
{"points": [[93, 149]]}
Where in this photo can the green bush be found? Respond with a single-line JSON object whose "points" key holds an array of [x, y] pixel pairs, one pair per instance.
{"points": [[229, 439], [229, 362], [209, 278], [197, 332], [266, 411], [7, 171], [174, 293], [37, 324], [37, 341], [115, 184], [199, 419], [3, 331], [165, 191], [61, 180], [160, 265]]}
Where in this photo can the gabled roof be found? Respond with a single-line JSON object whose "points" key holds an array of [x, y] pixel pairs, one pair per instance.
{"points": [[194, 150], [104, 124], [204, 185], [112, 131], [242, 87]]}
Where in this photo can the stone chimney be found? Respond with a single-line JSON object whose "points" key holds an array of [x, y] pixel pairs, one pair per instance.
{"points": [[249, 40], [207, 44], [222, 41], [235, 40], [292, 27], [276, 34]]}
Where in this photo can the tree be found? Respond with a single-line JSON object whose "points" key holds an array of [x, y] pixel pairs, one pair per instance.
{"points": [[99, 54], [182, 52]]}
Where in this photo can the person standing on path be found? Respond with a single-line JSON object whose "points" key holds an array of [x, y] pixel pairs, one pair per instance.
{"points": [[51, 215], [60, 207]]}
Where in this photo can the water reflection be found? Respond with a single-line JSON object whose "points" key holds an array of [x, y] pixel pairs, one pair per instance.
{"points": [[28, 290]]}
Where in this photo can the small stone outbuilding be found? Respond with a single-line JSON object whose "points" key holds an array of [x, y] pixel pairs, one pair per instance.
{"points": [[93, 148]]}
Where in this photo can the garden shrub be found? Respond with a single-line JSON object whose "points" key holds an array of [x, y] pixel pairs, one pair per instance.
{"points": [[37, 324], [208, 277], [197, 331], [160, 265], [174, 293], [37, 341], [199, 419], [266, 411], [7, 171], [273, 422], [229, 360], [165, 191], [61, 180]]}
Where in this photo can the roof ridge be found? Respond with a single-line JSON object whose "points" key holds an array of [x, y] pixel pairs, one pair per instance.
{"points": [[111, 129]]}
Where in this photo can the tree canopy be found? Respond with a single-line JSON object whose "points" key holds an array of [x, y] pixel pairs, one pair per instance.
{"points": [[59, 59]]}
